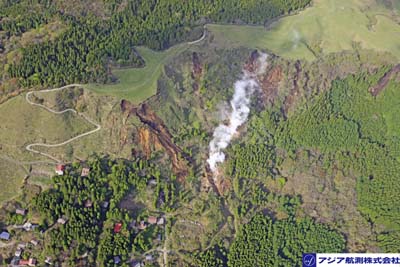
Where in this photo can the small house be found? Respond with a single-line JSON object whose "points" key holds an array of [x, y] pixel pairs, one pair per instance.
{"points": [[5, 236], [62, 220], [60, 168], [153, 181], [161, 221], [18, 252], [105, 204], [117, 260], [34, 242], [142, 225], [88, 203], [152, 220], [117, 227], [29, 226], [20, 212], [48, 260], [15, 261], [32, 262], [136, 264], [23, 262], [85, 172], [22, 245], [149, 257]]}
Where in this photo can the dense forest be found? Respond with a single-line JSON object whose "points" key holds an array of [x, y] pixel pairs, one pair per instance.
{"points": [[357, 133], [91, 44]]}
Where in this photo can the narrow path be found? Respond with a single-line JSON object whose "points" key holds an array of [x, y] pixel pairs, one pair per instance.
{"points": [[202, 37], [30, 146]]}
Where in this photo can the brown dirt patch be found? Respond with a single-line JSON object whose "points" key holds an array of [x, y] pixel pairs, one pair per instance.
{"points": [[375, 90]]}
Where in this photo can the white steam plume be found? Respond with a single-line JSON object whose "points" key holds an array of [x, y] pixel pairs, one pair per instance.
{"points": [[240, 105]]}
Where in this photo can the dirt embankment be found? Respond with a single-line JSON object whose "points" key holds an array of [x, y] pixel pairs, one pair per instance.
{"points": [[375, 90], [294, 92], [197, 71], [156, 135], [270, 84]]}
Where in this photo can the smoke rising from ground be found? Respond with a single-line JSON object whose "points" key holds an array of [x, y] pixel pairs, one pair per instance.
{"points": [[240, 109]]}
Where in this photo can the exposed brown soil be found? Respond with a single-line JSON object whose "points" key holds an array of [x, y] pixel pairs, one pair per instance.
{"points": [[251, 63], [291, 97], [156, 135], [197, 71], [270, 84], [375, 90], [148, 141]]}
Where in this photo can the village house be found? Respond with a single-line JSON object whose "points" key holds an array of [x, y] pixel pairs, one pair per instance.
{"points": [[29, 226], [5, 236], [105, 204], [22, 245], [161, 221], [85, 172], [30, 262], [20, 212], [142, 225], [136, 264], [149, 257], [15, 261], [48, 260], [62, 220], [117, 227], [34, 242], [88, 203], [153, 181], [117, 260], [18, 252], [152, 220], [60, 168]]}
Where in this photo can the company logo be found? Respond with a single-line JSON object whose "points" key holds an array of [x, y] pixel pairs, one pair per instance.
{"points": [[309, 260]]}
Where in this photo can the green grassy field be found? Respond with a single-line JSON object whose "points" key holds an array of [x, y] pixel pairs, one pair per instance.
{"points": [[22, 124], [327, 26], [11, 178], [138, 84]]}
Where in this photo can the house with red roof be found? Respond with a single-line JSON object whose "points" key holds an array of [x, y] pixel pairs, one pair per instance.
{"points": [[60, 168], [117, 227]]}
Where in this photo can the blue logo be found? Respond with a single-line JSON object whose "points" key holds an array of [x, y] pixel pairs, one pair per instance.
{"points": [[309, 260]]}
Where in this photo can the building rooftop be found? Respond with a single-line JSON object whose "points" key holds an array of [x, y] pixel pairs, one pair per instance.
{"points": [[152, 220], [5, 235], [117, 227]]}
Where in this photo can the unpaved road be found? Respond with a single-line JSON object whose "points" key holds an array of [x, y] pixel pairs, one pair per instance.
{"points": [[30, 146]]}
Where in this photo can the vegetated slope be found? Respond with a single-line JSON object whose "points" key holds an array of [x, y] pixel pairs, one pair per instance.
{"points": [[300, 122], [84, 52], [321, 29]]}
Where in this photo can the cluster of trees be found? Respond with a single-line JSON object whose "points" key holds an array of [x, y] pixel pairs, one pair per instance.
{"points": [[251, 160], [213, 257], [90, 223], [267, 242], [17, 18], [359, 133], [83, 52], [264, 242]]}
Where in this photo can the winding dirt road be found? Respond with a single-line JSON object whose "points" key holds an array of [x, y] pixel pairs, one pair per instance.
{"points": [[30, 146]]}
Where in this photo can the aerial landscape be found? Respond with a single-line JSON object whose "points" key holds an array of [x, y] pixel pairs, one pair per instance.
{"points": [[208, 133]]}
